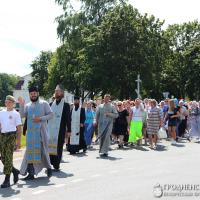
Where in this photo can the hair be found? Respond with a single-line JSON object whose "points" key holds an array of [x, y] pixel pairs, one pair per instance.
{"points": [[171, 105], [154, 102], [107, 95]]}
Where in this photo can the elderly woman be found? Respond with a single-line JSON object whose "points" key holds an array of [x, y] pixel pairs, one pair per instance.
{"points": [[153, 123]]}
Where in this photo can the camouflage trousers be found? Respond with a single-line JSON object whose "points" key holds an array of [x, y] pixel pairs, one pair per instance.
{"points": [[7, 145]]}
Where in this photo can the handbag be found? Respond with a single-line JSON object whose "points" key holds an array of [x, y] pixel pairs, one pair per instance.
{"points": [[162, 134]]}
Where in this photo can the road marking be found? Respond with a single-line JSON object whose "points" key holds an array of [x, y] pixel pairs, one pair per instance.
{"points": [[59, 185], [39, 192], [114, 171], [77, 180], [96, 175]]}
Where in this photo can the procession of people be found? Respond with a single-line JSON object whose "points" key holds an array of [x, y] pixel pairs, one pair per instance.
{"points": [[48, 126]]}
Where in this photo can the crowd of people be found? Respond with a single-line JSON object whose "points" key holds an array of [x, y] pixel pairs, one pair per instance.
{"points": [[48, 127]]}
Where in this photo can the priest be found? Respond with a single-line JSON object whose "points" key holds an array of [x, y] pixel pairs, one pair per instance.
{"points": [[58, 126]]}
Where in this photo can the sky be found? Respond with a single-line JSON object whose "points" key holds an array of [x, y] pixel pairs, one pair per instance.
{"points": [[28, 27]]}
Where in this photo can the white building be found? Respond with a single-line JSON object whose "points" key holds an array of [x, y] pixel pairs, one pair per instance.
{"points": [[21, 90]]}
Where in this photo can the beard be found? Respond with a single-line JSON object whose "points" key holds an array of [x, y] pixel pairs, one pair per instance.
{"points": [[59, 96], [34, 99]]}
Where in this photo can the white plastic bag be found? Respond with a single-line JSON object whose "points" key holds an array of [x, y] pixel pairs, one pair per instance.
{"points": [[162, 134]]}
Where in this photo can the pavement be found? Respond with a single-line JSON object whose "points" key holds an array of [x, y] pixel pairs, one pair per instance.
{"points": [[170, 172]]}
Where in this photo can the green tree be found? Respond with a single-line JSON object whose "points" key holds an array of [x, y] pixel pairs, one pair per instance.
{"points": [[40, 71], [7, 85], [192, 57], [175, 70]]}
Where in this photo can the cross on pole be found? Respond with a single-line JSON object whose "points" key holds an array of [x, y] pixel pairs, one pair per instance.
{"points": [[138, 86]]}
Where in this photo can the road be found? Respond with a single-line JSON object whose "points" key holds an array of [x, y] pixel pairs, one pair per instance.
{"points": [[132, 173]]}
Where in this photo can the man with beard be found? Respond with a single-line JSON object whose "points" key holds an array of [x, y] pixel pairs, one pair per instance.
{"points": [[77, 141], [106, 113], [58, 127], [36, 157]]}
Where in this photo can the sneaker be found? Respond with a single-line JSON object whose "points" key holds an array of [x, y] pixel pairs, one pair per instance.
{"points": [[173, 142]]}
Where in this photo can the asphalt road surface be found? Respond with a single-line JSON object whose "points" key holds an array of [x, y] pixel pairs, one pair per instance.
{"points": [[171, 172]]}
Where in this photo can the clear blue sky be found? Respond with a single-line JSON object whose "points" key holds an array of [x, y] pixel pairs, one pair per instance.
{"points": [[27, 27]]}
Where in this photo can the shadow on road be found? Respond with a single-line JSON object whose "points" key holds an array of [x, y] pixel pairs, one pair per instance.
{"points": [[8, 192], [37, 182], [178, 145], [161, 148], [61, 174], [111, 158]]}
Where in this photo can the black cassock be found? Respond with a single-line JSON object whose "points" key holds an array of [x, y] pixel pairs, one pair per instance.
{"points": [[82, 145], [65, 122]]}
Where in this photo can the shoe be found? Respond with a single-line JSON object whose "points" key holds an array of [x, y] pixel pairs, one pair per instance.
{"points": [[173, 142], [49, 172], [6, 182], [56, 168], [84, 150], [104, 155], [29, 177], [15, 175], [120, 146], [126, 144]]}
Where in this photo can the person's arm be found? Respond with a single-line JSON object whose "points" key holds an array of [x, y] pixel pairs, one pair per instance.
{"points": [[97, 114], [113, 114], [82, 120], [18, 137], [176, 115], [68, 118], [22, 107], [18, 123], [48, 114]]}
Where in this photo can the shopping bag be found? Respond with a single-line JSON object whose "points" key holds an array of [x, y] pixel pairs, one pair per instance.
{"points": [[162, 134]]}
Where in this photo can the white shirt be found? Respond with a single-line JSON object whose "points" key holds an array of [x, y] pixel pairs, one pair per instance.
{"points": [[9, 120], [137, 114]]}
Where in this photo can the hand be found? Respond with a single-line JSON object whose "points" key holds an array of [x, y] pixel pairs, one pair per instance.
{"points": [[107, 114], [18, 145], [36, 119], [81, 125], [21, 101]]}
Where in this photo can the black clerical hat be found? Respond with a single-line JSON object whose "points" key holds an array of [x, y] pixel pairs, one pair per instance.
{"points": [[33, 89], [76, 98]]}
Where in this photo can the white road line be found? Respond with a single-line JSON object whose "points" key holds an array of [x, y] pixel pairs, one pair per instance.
{"points": [[113, 171], [96, 175], [39, 192], [77, 180], [59, 185]]}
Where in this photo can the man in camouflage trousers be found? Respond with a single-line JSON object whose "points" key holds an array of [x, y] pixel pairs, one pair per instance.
{"points": [[10, 129]]}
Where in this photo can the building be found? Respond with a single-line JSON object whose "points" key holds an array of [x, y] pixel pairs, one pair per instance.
{"points": [[21, 90]]}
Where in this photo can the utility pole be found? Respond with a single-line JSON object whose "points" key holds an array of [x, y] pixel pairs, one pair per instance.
{"points": [[138, 86]]}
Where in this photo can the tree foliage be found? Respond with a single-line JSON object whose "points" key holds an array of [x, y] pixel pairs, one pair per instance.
{"points": [[40, 71], [7, 85]]}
